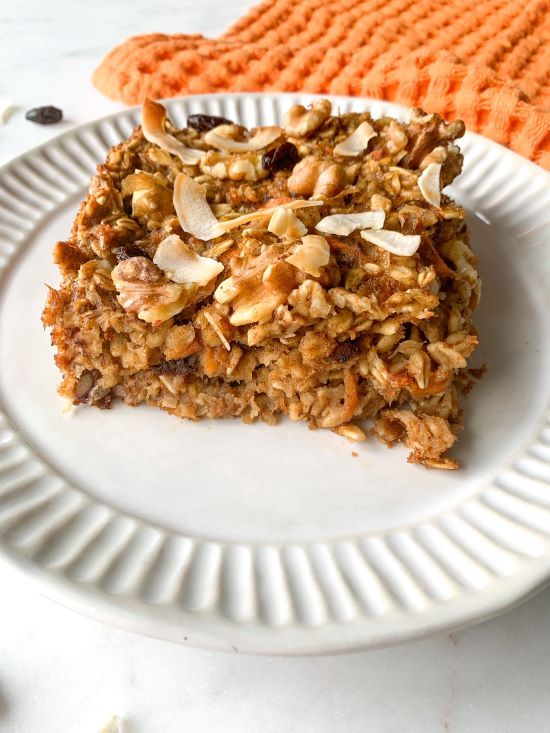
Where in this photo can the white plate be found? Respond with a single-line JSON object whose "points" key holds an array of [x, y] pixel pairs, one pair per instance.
{"points": [[275, 540]]}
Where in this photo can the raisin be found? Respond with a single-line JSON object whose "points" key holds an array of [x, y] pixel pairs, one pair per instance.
{"points": [[283, 157], [185, 366], [44, 115], [125, 253], [347, 350], [203, 123]]}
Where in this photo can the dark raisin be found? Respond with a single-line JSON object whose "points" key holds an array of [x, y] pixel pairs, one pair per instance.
{"points": [[203, 123], [347, 350], [348, 198], [44, 115], [125, 253], [283, 157], [187, 365]]}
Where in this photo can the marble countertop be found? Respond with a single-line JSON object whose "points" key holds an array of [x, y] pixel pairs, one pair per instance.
{"points": [[63, 672]]}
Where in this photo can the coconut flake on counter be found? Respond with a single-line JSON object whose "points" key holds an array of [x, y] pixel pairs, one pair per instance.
{"points": [[6, 110], [396, 243], [153, 119], [429, 184], [182, 264], [357, 142], [221, 138], [312, 254], [344, 224]]}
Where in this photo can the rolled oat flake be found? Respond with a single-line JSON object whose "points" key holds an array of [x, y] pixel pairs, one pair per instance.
{"points": [[44, 115]]}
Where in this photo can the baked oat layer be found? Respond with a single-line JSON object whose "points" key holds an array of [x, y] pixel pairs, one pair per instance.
{"points": [[313, 270]]}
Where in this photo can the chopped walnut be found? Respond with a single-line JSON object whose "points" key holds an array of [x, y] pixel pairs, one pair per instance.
{"points": [[234, 168], [427, 132], [259, 295], [299, 121], [143, 289], [311, 255], [99, 272], [320, 178], [285, 224]]}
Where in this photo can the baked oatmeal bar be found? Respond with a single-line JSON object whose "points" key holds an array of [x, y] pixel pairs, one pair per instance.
{"points": [[313, 270]]}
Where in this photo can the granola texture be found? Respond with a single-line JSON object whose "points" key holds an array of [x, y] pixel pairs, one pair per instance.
{"points": [[170, 296]]}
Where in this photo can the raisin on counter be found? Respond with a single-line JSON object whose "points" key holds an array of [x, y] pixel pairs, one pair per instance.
{"points": [[44, 115]]}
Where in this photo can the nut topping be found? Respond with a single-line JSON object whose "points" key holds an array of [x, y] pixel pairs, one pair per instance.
{"points": [[142, 289], [299, 121], [319, 178]]}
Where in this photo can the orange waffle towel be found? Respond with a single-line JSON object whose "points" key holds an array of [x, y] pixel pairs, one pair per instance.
{"points": [[485, 61]]}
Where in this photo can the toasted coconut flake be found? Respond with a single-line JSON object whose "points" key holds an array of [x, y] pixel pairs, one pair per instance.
{"points": [[357, 141], [285, 224], [182, 265], [197, 218], [404, 245], [429, 182], [153, 118], [194, 213], [221, 139], [312, 254], [263, 213], [345, 224], [226, 290], [212, 321]]}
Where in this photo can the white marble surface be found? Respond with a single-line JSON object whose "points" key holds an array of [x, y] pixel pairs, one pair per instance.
{"points": [[63, 672]]}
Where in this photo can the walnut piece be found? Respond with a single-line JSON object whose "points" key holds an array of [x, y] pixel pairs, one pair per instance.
{"points": [[143, 289], [285, 224], [299, 121], [313, 253], [320, 178]]}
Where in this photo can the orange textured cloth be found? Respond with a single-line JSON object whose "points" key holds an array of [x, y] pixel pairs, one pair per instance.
{"points": [[485, 61]]}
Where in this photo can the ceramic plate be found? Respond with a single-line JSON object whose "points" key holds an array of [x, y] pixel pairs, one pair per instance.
{"points": [[275, 540]]}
